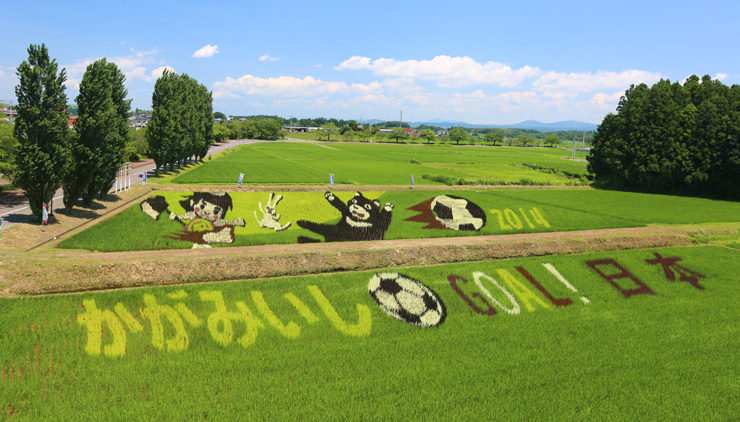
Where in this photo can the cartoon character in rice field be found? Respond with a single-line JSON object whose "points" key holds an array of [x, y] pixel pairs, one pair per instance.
{"points": [[204, 218]]}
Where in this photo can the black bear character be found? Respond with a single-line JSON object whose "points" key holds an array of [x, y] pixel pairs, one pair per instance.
{"points": [[362, 219]]}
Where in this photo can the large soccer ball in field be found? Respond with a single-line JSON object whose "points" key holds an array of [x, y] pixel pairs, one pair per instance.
{"points": [[457, 213], [407, 300]]}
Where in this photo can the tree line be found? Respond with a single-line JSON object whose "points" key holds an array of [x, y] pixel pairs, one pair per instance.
{"points": [[49, 154], [181, 127], [672, 138], [45, 153]]}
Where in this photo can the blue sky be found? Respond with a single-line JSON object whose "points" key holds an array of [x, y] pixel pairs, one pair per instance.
{"points": [[474, 61]]}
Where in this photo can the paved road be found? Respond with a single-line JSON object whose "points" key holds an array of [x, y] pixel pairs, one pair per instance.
{"points": [[14, 206]]}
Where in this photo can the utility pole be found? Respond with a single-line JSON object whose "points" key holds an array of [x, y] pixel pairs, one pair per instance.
{"points": [[574, 146], [401, 118]]}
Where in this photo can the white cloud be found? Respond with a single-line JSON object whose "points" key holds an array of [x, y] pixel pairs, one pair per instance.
{"points": [[486, 92], [446, 71], [268, 58], [286, 86], [134, 66], [206, 51], [588, 82], [610, 100], [157, 73], [720, 76], [73, 83]]}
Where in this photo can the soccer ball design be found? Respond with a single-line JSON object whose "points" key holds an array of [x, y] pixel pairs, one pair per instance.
{"points": [[457, 213], [407, 300]]}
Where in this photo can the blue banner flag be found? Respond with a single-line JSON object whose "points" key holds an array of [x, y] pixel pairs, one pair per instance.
{"points": [[331, 179], [412, 180], [241, 178]]}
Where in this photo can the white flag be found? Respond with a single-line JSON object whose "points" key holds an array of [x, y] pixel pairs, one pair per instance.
{"points": [[44, 214]]}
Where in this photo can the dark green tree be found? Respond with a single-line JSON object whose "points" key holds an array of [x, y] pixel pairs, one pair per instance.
{"points": [[41, 128], [219, 115], [352, 124], [164, 130], [671, 138], [101, 133]]}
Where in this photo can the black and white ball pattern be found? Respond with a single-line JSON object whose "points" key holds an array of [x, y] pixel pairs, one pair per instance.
{"points": [[457, 213], [407, 299]]}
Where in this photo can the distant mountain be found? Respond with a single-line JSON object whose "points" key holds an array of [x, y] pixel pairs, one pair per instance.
{"points": [[527, 124], [552, 127]]}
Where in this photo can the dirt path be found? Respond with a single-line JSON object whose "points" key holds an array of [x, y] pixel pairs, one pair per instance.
{"points": [[55, 270]]}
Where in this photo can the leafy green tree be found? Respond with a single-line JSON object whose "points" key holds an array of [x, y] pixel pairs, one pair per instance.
{"points": [[221, 133], [458, 134], [327, 130], [398, 133], [8, 150], [428, 135], [41, 128], [269, 129], [137, 147], [493, 137], [552, 139], [219, 115], [523, 139], [352, 124], [364, 135]]}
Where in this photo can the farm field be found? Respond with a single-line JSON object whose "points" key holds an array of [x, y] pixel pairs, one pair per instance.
{"points": [[503, 211], [624, 335], [383, 164]]}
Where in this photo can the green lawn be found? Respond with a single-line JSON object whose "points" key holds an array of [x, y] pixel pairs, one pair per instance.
{"points": [[507, 211], [384, 164], [321, 348]]}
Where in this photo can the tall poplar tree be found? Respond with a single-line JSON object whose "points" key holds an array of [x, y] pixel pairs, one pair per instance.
{"points": [[101, 132], [164, 130], [42, 128], [111, 150], [181, 127]]}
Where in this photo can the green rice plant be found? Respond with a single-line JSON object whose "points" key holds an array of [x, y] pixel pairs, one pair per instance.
{"points": [[605, 336], [374, 164]]}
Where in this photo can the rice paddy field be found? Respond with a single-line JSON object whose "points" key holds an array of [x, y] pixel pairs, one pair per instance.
{"points": [[624, 335], [383, 164], [640, 334], [504, 211]]}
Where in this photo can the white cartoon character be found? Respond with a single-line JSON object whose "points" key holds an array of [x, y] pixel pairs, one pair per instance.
{"points": [[270, 218]]}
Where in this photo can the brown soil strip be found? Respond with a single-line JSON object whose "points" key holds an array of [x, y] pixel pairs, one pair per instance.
{"points": [[56, 271]]}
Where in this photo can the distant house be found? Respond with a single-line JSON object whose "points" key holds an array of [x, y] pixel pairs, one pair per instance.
{"points": [[9, 112], [138, 121], [74, 114], [442, 132]]}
